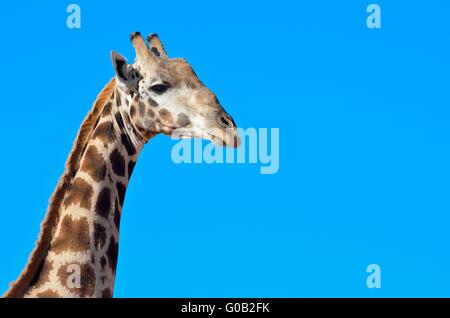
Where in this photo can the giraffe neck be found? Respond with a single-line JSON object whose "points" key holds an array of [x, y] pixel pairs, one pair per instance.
{"points": [[82, 257]]}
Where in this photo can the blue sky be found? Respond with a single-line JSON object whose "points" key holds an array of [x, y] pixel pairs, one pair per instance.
{"points": [[364, 149]]}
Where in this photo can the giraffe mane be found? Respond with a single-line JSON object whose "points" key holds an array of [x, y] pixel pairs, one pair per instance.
{"points": [[19, 287]]}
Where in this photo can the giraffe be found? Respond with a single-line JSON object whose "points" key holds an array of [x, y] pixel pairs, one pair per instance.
{"points": [[80, 232]]}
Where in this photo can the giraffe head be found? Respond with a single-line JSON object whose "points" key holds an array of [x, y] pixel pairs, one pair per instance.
{"points": [[165, 96]]}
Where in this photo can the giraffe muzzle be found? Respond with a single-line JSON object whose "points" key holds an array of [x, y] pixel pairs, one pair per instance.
{"points": [[224, 131]]}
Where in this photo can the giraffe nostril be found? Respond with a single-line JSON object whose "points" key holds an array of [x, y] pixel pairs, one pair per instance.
{"points": [[225, 120]]}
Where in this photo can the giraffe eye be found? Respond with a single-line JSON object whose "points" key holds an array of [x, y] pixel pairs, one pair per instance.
{"points": [[159, 88]]}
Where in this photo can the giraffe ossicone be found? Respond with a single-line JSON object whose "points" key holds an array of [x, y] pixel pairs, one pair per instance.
{"points": [[80, 232]]}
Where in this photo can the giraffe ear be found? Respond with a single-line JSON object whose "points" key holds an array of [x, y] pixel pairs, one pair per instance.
{"points": [[120, 66], [156, 47]]}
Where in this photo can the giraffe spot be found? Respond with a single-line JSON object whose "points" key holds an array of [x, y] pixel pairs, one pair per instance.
{"points": [[49, 293], [42, 274], [118, 100], [68, 278], [74, 235], [120, 192], [80, 193], [104, 132], [165, 115], [103, 262], [119, 120], [103, 205], [117, 215], [99, 235], [63, 275], [141, 109], [127, 144], [183, 120], [132, 111], [107, 293], [150, 113], [117, 163], [94, 164], [112, 253], [131, 165], [106, 110], [152, 102]]}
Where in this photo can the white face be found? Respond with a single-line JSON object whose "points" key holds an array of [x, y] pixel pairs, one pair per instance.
{"points": [[167, 97]]}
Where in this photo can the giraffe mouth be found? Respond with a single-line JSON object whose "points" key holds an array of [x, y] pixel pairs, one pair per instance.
{"points": [[216, 138], [228, 139]]}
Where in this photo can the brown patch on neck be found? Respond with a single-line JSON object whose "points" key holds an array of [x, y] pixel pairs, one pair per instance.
{"points": [[21, 285], [73, 236], [48, 294]]}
